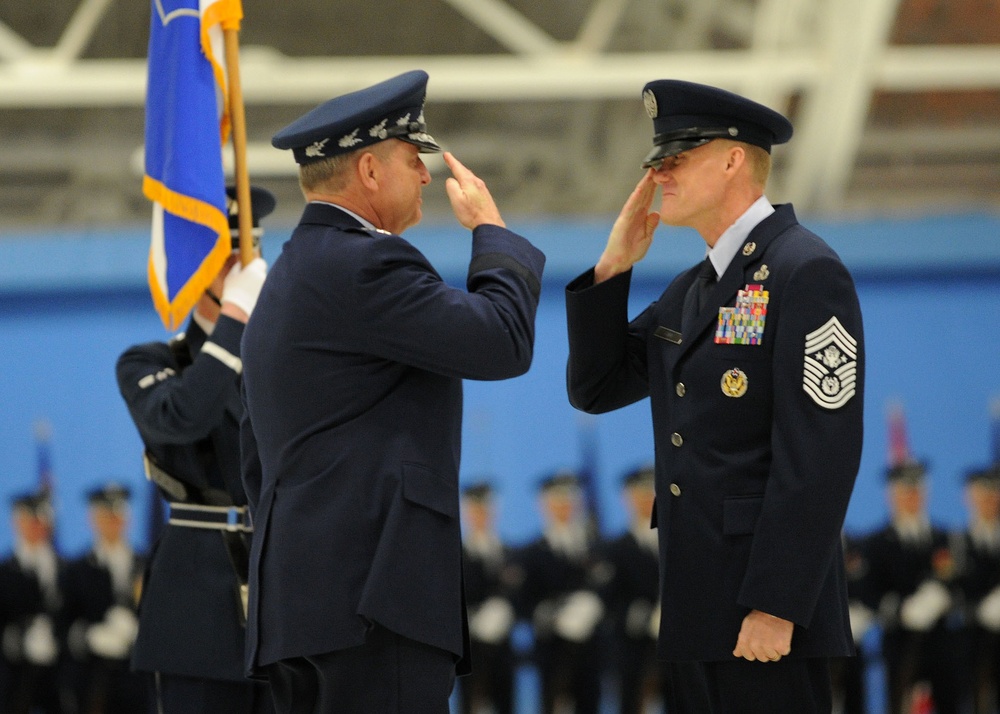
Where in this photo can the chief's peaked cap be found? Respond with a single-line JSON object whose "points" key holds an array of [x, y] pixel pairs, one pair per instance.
{"points": [[390, 109], [686, 115]]}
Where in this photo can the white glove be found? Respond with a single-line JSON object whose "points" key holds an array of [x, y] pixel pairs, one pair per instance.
{"points": [[654, 622], [40, 646], [923, 608], [576, 619], [492, 621], [637, 618], [988, 611], [242, 284], [861, 620], [112, 638]]}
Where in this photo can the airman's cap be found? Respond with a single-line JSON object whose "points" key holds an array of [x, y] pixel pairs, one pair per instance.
{"points": [[909, 473], [37, 503], [480, 491], [642, 476], [560, 481], [262, 203], [393, 109], [989, 476], [110, 495], [686, 115]]}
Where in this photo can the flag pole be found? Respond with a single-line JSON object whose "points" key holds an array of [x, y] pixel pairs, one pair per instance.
{"points": [[239, 128]]}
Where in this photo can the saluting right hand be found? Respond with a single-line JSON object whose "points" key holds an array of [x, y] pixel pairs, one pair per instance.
{"points": [[632, 232]]}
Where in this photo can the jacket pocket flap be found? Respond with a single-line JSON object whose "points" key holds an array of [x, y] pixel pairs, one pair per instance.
{"points": [[424, 487]]}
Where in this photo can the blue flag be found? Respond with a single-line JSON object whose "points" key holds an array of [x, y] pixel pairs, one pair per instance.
{"points": [[187, 123]]}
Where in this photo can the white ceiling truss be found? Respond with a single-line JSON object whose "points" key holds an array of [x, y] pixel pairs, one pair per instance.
{"points": [[825, 58]]}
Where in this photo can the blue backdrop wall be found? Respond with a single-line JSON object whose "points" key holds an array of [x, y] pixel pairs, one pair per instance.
{"points": [[929, 286]]}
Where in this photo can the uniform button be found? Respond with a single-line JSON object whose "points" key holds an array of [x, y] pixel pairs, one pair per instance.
{"points": [[680, 389], [676, 439], [675, 489]]}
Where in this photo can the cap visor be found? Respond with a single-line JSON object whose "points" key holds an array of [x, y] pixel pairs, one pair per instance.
{"points": [[671, 148]]}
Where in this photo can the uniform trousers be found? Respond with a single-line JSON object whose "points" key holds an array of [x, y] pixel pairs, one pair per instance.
{"points": [[176, 694], [789, 686], [389, 674]]}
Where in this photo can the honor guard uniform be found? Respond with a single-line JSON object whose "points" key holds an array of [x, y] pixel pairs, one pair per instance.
{"points": [[491, 581], [911, 570], [564, 575], [753, 365], [979, 582], [101, 597], [184, 398], [30, 602], [633, 597]]}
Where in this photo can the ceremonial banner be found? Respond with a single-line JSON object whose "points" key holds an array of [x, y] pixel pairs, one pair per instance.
{"points": [[187, 123]]}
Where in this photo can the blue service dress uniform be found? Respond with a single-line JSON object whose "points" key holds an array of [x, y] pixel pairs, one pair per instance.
{"points": [[491, 582], [103, 680], [184, 400], [354, 360], [568, 640], [979, 582], [757, 445], [899, 568], [633, 597], [33, 648]]}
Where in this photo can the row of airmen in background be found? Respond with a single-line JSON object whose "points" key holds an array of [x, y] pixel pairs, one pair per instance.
{"points": [[929, 599]]}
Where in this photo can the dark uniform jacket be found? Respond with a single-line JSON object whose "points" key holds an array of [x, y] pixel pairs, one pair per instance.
{"points": [[89, 594], [752, 488], [189, 617], [355, 356]]}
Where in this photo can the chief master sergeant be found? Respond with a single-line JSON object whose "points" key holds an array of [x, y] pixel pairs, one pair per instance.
{"points": [[753, 365], [354, 361], [183, 396]]}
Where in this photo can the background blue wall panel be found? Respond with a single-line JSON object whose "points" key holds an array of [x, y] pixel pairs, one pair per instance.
{"points": [[71, 302]]}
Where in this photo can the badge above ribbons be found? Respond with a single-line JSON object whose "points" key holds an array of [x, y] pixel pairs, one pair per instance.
{"points": [[830, 371]]}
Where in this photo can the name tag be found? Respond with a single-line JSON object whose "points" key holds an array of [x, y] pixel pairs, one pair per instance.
{"points": [[665, 333]]}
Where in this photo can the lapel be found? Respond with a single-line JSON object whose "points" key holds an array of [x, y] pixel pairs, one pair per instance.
{"points": [[744, 263]]}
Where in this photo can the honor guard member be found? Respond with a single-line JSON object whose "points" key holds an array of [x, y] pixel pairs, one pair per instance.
{"points": [[911, 575], [101, 596], [752, 361], [183, 396], [30, 601], [979, 581], [564, 575], [354, 361], [491, 582], [848, 673], [633, 597]]}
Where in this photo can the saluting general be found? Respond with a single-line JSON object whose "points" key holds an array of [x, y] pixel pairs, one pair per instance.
{"points": [[753, 364], [353, 367]]}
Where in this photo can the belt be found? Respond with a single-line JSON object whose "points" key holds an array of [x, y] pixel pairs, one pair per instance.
{"points": [[220, 518]]}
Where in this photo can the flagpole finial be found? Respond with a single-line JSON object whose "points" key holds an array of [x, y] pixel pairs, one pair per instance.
{"points": [[43, 430]]}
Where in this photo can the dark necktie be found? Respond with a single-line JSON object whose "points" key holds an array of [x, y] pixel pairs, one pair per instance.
{"points": [[694, 299]]}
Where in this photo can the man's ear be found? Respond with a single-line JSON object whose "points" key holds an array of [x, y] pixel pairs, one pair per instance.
{"points": [[735, 157], [369, 170]]}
